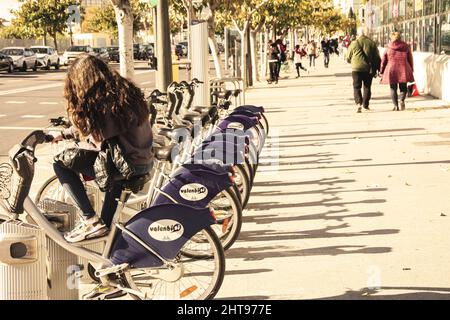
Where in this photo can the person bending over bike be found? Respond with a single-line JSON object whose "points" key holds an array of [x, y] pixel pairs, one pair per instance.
{"points": [[101, 105]]}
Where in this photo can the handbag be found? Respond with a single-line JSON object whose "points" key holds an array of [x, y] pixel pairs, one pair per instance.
{"points": [[112, 165], [76, 158]]}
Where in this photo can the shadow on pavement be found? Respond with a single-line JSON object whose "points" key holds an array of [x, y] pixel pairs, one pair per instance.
{"points": [[331, 191], [267, 235], [321, 182], [323, 203], [261, 253], [329, 215], [420, 293]]}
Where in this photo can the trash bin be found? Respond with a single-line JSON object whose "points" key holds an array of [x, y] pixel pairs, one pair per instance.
{"points": [[23, 274], [63, 267]]}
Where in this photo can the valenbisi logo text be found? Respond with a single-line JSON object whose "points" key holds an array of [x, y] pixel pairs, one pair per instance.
{"points": [[165, 230], [193, 192]]}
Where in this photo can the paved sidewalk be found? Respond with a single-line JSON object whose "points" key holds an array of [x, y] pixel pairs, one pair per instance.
{"points": [[345, 202]]}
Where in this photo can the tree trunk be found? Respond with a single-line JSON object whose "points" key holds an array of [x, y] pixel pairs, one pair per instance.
{"points": [[249, 60], [212, 42], [216, 56], [124, 18], [253, 56], [243, 34], [244, 54], [55, 40], [265, 53], [262, 44]]}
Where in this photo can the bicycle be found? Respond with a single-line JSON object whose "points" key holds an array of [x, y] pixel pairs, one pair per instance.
{"points": [[147, 257]]}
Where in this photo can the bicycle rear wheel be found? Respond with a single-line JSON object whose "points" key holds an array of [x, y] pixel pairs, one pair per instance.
{"points": [[228, 211], [203, 272]]}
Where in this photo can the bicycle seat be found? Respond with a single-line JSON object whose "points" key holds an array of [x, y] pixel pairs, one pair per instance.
{"points": [[136, 184], [164, 153], [192, 118]]}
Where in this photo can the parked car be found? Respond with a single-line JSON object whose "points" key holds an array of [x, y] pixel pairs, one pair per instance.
{"points": [[136, 50], [23, 58], [221, 47], [6, 63], [181, 49], [74, 51], [113, 53], [102, 54], [46, 57], [146, 52]]}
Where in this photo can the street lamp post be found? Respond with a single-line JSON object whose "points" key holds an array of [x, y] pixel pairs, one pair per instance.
{"points": [[164, 55]]}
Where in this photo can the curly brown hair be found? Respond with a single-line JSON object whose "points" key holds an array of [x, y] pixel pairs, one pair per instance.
{"points": [[92, 89]]}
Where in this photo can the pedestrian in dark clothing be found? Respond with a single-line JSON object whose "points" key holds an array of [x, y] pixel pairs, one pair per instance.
{"points": [[365, 59], [326, 49], [397, 68], [273, 63], [282, 55]]}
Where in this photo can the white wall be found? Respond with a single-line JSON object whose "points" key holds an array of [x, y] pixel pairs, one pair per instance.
{"points": [[432, 74]]}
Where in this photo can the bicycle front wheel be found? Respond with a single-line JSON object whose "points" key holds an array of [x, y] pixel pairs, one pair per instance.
{"points": [[203, 270]]}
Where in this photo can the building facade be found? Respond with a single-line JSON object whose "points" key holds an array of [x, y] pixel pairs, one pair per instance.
{"points": [[93, 3], [425, 24]]}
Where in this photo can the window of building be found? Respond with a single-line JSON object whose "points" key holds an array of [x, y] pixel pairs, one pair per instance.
{"points": [[445, 5], [428, 7], [402, 8], [408, 32], [410, 9], [418, 8], [429, 35], [417, 44]]}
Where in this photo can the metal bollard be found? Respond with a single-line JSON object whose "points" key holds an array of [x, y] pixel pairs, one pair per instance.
{"points": [[23, 273]]}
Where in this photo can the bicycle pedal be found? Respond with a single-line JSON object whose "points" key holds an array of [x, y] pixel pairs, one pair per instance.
{"points": [[111, 270], [104, 294]]}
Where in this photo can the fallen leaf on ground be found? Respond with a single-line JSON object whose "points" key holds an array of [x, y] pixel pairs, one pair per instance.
{"points": [[407, 184], [406, 269], [443, 215]]}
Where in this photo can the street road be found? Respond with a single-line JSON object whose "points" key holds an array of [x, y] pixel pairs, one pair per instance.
{"points": [[29, 99]]}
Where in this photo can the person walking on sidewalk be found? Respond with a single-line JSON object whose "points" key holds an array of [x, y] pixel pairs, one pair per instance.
{"points": [[274, 55], [312, 53], [299, 53], [326, 49], [282, 57], [397, 69], [365, 60]]}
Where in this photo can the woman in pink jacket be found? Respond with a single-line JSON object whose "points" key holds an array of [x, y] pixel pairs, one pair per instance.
{"points": [[397, 68]]}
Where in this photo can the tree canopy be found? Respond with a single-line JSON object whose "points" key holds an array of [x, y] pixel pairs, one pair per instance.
{"points": [[35, 19]]}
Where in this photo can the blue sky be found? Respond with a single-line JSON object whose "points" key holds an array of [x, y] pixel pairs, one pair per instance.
{"points": [[6, 6]]}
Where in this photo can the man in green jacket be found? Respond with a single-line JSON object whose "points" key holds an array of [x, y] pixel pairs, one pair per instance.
{"points": [[365, 60]]}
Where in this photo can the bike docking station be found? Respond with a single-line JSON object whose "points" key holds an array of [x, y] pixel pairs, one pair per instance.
{"points": [[32, 266], [23, 274]]}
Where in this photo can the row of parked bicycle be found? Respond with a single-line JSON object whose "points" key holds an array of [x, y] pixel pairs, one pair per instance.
{"points": [[171, 227]]}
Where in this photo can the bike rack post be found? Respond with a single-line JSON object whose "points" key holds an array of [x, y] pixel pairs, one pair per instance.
{"points": [[23, 274]]}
